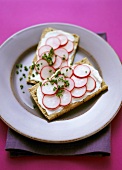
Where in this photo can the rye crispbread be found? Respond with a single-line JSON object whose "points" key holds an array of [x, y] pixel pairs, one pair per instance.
{"points": [[45, 31], [33, 92]]}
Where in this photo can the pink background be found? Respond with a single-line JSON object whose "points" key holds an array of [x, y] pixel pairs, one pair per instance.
{"points": [[96, 15]]}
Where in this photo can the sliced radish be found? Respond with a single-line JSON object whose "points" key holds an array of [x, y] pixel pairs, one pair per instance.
{"points": [[78, 92], [40, 64], [64, 63], [71, 84], [46, 72], [62, 53], [65, 98], [48, 88], [82, 71], [69, 46], [67, 71], [54, 42], [51, 102], [79, 82], [47, 53], [58, 62], [91, 84], [43, 49], [63, 39]]}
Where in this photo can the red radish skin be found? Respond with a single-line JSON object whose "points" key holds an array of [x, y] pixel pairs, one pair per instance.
{"points": [[69, 46], [67, 71], [51, 102], [57, 63], [79, 82], [78, 92], [48, 88], [46, 72], [43, 49], [63, 39], [91, 84], [66, 98], [71, 84], [41, 63], [62, 53], [82, 71], [54, 42]]}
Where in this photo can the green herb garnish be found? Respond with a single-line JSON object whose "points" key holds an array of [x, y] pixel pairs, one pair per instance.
{"points": [[48, 57], [17, 72], [20, 78], [25, 68], [59, 93], [21, 86]]}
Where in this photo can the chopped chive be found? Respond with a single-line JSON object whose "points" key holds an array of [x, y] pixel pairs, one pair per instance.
{"points": [[40, 83], [20, 65], [20, 78], [25, 68], [21, 86], [17, 72], [17, 65], [20, 70], [33, 75]]}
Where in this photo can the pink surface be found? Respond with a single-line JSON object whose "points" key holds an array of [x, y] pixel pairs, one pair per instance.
{"points": [[96, 15]]}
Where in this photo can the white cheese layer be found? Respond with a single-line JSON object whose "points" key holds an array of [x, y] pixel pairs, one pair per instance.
{"points": [[94, 73], [42, 42]]}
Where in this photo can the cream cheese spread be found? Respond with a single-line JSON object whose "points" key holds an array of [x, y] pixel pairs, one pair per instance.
{"points": [[94, 73]]}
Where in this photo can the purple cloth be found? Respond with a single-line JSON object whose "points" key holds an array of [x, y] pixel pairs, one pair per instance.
{"points": [[98, 144]]}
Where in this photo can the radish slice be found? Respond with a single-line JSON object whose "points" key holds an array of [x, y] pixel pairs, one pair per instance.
{"points": [[51, 102], [63, 39], [67, 71], [78, 92], [43, 49], [57, 63], [46, 72], [64, 63], [54, 42], [40, 64], [48, 88], [69, 46], [91, 84], [65, 98], [82, 71], [62, 53], [71, 84], [47, 53], [79, 82]]}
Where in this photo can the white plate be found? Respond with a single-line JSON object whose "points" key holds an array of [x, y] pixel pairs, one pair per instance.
{"points": [[16, 107]]}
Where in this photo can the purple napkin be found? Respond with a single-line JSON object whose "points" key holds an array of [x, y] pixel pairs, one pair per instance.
{"points": [[98, 144]]}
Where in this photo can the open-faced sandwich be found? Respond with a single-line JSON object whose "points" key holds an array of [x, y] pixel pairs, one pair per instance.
{"points": [[55, 49], [67, 88]]}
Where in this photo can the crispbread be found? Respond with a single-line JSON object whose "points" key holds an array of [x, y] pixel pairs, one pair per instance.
{"points": [[45, 31], [33, 92]]}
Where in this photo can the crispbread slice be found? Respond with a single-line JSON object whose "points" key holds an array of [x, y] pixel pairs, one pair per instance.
{"points": [[33, 92], [45, 31]]}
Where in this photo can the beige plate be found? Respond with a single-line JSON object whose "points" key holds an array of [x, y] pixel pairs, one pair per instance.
{"points": [[16, 108]]}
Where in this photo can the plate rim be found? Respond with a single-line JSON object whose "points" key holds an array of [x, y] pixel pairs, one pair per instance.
{"points": [[38, 25]]}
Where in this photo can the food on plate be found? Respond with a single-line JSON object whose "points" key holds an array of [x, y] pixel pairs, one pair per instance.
{"points": [[67, 88], [55, 49]]}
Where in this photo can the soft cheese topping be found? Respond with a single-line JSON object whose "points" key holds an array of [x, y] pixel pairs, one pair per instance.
{"points": [[63, 47], [73, 84]]}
